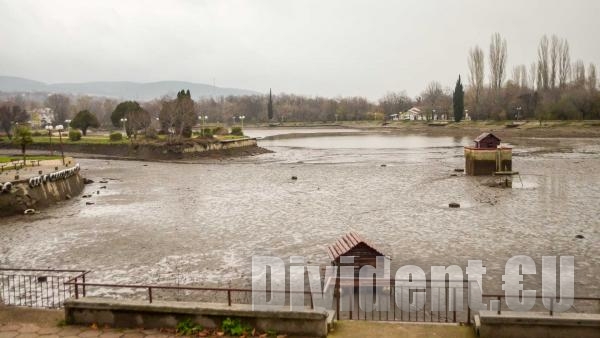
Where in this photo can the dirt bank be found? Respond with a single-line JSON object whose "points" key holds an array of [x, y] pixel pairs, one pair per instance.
{"points": [[548, 129], [188, 150], [553, 129]]}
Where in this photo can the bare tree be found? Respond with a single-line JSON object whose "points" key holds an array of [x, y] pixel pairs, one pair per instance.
{"points": [[579, 74], [533, 75], [555, 47], [592, 78], [179, 115], [497, 61], [60, 105], [432, 97], [10, 115], [476, 61], [564, 64], [394, 103], [108, 106], [519, 76], [524, 79], [542, 66]]}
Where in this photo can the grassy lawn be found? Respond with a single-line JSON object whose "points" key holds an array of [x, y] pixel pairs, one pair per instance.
{"points": [[104, 139], [84, 140], [229, 137], [6, 159]]}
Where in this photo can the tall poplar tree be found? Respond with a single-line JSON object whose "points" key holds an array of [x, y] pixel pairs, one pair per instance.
{"points": [[458, 100], [270, 106]]}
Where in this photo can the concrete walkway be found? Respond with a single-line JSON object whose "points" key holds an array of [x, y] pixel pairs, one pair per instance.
{"points": [[356, 329], [18, 330], [28, 323], [32, 169]]}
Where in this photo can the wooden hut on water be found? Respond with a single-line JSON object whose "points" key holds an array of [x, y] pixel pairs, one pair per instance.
{"points": [[488, 156]]}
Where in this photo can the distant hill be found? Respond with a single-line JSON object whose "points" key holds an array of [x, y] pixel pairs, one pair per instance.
{"points": [[119, 89]]}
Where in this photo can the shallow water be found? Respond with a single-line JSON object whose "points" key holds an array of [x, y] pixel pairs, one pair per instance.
{"points": [[202, 223], [266, 132]]}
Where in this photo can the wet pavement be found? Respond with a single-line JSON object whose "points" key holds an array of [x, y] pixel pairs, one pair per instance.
{"points": [[26, 330], [202, 223]]}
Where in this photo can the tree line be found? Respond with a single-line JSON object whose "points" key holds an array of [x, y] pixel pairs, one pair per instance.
{"points": [[550, 87]]}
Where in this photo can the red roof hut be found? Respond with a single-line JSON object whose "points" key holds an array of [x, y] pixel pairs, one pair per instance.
{"points": [[487, 141], [352, 244]]}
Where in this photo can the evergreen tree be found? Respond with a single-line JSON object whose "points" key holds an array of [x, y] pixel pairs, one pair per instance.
{"points": [[84, 120], [270, 107], [458, 100]]}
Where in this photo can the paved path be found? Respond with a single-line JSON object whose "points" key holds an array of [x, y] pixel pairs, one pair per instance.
{"points": [[46, 166], [364, 329], [25, 322]]}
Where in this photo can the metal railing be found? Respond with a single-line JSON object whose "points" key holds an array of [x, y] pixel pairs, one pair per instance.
{"points": [[45, 288], [81, 289], [349, 296], [586, 304], [50, 287]]}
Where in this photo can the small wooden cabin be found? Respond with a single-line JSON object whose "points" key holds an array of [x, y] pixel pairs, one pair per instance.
{"points": [[352, 244], [488, 156], [487, 141]]}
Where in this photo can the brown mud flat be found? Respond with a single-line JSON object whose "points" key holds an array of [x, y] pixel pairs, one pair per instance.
{"points": [[529, 129]]}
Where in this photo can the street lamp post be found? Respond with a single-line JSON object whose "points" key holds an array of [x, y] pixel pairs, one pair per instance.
{"points": [[62, 153], [49, 129], [203, 119], [123, 120], [171, 131], [242, 117]]}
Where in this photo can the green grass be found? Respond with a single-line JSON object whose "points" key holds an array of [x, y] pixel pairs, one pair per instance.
{"points": [[84, 140], [229, 137], [6, 159]]}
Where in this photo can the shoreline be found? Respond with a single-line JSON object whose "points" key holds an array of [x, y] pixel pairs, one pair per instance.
{"points": [[548, 129], [153, 152], [208, 155]]}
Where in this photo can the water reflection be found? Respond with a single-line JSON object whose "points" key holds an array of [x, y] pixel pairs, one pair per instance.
{"points": [[369, 141]]}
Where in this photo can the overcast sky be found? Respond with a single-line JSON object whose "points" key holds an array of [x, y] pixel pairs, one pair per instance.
{"points": [[320, 47]]}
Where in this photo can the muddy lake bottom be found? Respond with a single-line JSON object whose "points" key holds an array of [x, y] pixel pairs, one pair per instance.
{"points": [[201, 223]]}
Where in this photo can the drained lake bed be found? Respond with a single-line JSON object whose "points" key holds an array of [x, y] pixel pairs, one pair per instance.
{"points": [[201, 223]]}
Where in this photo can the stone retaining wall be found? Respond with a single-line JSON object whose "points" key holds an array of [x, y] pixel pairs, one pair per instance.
{"points": [[25, 195], [533, 325], [161, 314]]}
